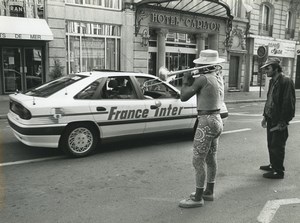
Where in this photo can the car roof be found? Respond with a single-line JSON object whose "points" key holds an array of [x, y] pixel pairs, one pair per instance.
{"points": [[113, 73]]}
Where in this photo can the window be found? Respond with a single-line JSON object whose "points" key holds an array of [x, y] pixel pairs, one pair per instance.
{"points": [[266, 20], [119, 87], [24, 8], [236, 8], [154, 88], [111, 4], [289, 27], [92, 46], [54, 86], [90, 92]]}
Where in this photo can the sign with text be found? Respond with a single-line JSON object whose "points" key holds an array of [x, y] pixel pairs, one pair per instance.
{"points": [[24, 36], [277, 48], [184, 21], [16, 10]]}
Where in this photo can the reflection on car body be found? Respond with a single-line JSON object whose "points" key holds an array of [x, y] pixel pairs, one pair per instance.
{"points": [[77, 111]]}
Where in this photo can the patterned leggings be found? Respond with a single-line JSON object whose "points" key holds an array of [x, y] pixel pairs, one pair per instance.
{"points": [[206, 141]]}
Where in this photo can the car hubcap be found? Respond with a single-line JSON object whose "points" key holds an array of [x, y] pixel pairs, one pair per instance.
{"points": [[80, 140]]}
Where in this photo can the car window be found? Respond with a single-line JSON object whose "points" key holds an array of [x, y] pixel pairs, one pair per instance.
{"points": [[119, 87], [90, 92], [155, 88], [54, 86]]}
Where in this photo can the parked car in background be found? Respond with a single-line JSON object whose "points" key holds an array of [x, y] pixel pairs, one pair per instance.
{"points": [[78, 111]]}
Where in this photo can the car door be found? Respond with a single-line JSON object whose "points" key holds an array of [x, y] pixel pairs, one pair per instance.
{"points": [[166, 110], [116, 111]]}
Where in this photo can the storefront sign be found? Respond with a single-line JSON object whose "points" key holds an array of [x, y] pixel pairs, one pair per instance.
{"points": [[171, 20], [277, 48], [23, 36], [16, 10]]}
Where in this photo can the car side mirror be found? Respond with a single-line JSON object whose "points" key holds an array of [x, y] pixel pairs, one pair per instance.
{"points": [[176, 95]]}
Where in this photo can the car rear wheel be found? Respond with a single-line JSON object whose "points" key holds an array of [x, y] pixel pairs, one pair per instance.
{"points": [[79, 140]]}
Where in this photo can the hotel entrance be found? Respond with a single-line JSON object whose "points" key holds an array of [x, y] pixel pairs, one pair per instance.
{"points": [[22, 68], [179, 61], [180, 51]]}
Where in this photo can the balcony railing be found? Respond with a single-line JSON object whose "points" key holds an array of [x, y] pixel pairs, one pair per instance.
{"points": [[289, 33], [265, 30]]}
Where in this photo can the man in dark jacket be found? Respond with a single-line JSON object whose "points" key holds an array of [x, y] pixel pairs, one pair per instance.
{"points": [[278, 111]]}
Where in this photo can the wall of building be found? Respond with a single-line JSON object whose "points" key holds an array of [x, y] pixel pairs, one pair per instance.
{"points": [[278, 43], [55, 16]]}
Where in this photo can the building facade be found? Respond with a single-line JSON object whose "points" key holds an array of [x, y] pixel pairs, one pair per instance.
{"points": [[271, 23], [142, 36], [24, 38]]}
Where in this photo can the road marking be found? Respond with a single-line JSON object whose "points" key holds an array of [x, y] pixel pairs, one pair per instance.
{"points": [[270, 208], [246, 114], [30, 161], [235, 131], [294, 122]]}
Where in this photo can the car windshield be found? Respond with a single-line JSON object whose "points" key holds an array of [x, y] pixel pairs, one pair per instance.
{"points": [[54, 86]]}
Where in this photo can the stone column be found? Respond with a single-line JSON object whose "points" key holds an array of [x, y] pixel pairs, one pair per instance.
{"points": [[161, 48], [127, 45], [200, 41]]}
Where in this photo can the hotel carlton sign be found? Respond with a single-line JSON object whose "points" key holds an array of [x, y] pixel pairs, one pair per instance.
{"points": [[196, 23]]}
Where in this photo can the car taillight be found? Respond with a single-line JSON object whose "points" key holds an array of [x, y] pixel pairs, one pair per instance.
{"points": [[20, 110]]}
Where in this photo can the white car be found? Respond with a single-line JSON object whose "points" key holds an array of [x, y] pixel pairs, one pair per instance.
{"points": [[78, 111]]}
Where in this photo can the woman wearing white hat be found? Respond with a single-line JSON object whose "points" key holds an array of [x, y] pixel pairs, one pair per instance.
{"points": [[209, 89]]}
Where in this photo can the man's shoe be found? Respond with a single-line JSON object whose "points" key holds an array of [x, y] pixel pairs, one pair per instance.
{"points": [[208, 197], [205, 196], [266, 168], [190, 203], [273, 175]]}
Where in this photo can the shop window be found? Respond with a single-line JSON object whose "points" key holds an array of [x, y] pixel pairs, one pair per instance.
{"points": [[100, 50], [266, 20], [73, 58]]}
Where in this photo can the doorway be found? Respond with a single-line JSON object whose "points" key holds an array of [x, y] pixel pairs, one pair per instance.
{"points": [[233, 72], [179, 61], [22, 68]]}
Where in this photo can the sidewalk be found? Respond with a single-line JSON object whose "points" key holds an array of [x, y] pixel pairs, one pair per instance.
{"points": [[230, 98]]}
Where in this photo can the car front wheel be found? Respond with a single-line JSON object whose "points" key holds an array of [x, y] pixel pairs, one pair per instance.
{"points": [[79, 140]]}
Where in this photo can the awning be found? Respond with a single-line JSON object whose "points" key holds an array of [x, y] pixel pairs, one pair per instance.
{"points": [[214, 8], [24, 29]]}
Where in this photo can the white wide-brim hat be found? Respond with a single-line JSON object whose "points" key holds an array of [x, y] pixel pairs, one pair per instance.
{"points": [[209, 57]]}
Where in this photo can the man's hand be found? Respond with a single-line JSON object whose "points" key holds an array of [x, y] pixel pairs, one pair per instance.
{"points": [[187, 79], [281, 125]]}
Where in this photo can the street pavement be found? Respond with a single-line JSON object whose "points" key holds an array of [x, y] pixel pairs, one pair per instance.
{"points": [[230, 97]]}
